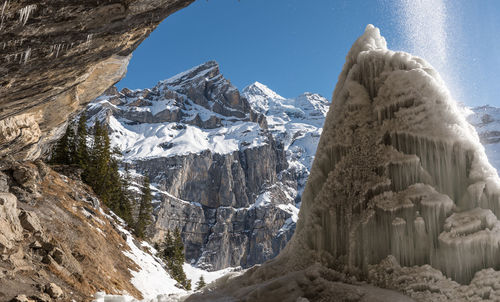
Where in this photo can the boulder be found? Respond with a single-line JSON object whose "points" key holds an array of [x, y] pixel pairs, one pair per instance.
{"points": [[30, 222], [4, 182], [26, 175], [10, 226], [21, 298], [54, 291]]}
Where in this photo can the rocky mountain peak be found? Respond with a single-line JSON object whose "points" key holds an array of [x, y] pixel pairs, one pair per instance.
{"points": [[258, 88], [202, 72], [260, 96]]}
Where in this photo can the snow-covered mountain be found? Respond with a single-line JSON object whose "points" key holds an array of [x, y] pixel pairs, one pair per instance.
{"points": [[227, 168], [191, 112], [296, 123]]}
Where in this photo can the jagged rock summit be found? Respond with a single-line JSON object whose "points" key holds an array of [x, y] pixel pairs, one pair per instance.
{"points": [[400, 194]]}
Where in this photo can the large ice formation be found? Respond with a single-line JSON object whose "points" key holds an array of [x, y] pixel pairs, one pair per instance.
{"points": [[400, 194], [399, 172]]}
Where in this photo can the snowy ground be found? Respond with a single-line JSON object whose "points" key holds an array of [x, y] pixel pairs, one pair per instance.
{"points": [[151, 279]]}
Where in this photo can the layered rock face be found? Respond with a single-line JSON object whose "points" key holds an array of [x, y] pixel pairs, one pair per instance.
{"points": [[221, 174], [400, 194], [56, 56]]}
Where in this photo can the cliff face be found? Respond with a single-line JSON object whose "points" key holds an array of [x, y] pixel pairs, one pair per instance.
{"points": [[56, 56], [226, 171]]}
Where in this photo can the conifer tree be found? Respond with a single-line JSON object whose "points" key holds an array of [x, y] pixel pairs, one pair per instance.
{"points": [[178, 260], [71, 145], [173, 254], [125, 204], [179, 246], [145, 210], [64, 148], [100, 167], [168, 247], [82, 153], [113, 192], [100, 156], [201, 283]]}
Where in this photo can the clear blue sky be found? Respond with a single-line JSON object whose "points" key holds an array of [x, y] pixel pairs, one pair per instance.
{"points": [[295, 46]]}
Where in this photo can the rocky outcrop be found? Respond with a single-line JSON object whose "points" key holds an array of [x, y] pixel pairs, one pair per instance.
{"points": [[215, 204], [10, 227], [56, 244], [56, 56], [296, 125]]}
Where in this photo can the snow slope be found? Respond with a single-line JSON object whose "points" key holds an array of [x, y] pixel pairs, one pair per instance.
{"points": [[151, 278], [147, 140]]}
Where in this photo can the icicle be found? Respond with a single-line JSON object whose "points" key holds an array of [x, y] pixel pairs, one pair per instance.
{"points": [[26, 55], [2, 16], [89, 40], [57, 48], [24, 13]]}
